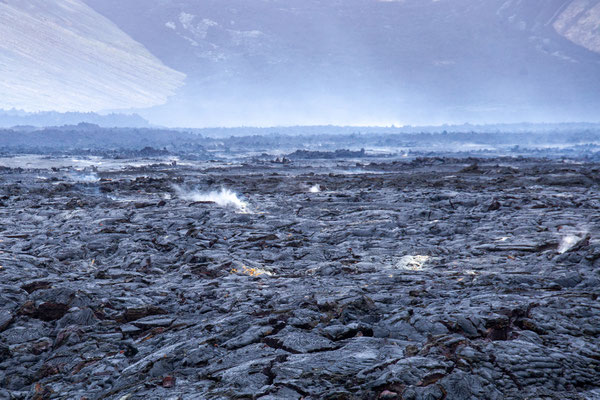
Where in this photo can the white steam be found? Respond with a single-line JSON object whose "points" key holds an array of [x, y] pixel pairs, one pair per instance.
{"points": [[223, 198], [84, 178], [412, 263], [567, 242], [571, 239]]}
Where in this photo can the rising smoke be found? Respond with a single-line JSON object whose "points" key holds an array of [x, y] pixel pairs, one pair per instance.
{"points": [[224, 198]]}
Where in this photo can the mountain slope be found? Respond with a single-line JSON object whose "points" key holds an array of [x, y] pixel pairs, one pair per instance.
{"points": [[61, 55], [580, 23]]}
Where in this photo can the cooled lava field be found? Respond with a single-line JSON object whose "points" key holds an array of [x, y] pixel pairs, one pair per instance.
{"points": [[432, 278]]}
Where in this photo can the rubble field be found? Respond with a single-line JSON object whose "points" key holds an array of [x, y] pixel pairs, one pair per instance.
{"points": [[432, 278]]}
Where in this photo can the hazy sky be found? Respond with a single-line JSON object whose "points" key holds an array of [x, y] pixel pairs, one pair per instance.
{"points": [[287, 62]]}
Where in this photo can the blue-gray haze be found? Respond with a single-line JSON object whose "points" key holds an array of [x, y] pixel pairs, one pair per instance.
{"points": [[367, 62]]}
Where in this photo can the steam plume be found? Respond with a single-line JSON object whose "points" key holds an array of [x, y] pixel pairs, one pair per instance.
{"points": [[223, 198]]}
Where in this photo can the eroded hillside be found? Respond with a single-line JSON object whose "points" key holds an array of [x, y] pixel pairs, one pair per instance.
{"points": [[580, 23], [62, 55]]}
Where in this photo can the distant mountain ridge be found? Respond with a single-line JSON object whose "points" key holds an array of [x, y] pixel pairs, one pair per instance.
{"points": [[12, 118]]}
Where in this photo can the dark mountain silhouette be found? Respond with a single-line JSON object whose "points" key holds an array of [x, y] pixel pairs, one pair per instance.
{"points": [[12, 118]]}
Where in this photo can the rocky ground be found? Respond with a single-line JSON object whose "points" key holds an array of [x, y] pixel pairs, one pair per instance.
{"points": [[423, 279]]}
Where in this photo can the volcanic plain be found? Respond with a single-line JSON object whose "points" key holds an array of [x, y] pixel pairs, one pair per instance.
{"points": [[429, 278]]}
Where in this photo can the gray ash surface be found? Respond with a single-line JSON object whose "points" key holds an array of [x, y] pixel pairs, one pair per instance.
{"points": [[429, 279]]}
